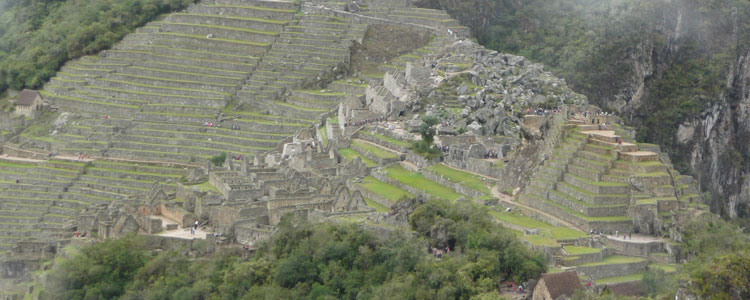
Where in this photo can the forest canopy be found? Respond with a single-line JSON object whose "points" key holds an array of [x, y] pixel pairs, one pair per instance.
{"points": [[38, 36]]}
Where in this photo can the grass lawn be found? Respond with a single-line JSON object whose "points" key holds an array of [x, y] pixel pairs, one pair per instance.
{"points": [[16, 165], [205, 187], [667, 268], [417, 181], [466, 179], [387, 139], [375, 150], [377, 206], [349, 154], [383, 189], [558, 233], [578, 250], [614, 260], [626, 278], [324, 134]]}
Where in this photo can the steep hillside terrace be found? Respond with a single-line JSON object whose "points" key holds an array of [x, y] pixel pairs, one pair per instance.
{"points": [[37, 198], [600, 183]]}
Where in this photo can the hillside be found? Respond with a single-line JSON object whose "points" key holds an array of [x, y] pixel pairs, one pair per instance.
{"points": [[676, 70], [281, 141], [38, 36]]}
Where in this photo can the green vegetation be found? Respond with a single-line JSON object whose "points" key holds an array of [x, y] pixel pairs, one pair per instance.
{"points": [[578, 250], [385, 190], [425, 147], [555, 232], [219, 159], [311, 261], [38, 36], [469, 180], [377, 206], [614, 260], [349, 154], [205, 187], [417, 181], [374, 150]]}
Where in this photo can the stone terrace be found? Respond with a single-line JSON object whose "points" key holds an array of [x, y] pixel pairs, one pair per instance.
{"points": [[36, 199], [599, 183], [150, 96]]}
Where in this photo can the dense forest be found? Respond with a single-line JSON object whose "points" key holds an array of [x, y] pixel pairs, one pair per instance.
{"points": [[38, 36], [316, 261], [355, 261]]}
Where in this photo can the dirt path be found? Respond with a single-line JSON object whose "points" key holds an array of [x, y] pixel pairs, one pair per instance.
{"points": [[507, 199], [13, 158]]}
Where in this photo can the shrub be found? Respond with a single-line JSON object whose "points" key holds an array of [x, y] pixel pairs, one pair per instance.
{"points": [[219, 159]]}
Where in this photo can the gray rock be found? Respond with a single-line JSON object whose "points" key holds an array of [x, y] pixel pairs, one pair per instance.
{"points": [[462, 89]]}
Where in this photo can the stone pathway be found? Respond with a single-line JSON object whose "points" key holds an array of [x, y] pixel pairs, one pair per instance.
{"points": [[14, 158]]}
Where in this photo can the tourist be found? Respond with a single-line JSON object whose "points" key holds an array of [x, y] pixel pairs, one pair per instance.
{"points": [[630, 236], [520, 289], [617, 233], [196, 224]]}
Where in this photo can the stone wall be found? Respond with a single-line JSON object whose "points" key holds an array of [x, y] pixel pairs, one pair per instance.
{"points": [[419, 160], [455, 186], [183, 217], [611, 270]]}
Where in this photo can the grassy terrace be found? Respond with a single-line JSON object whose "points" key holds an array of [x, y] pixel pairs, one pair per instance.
{"points": [[377, 206], [417, 181], [200, 37], [469, 180], [184, 73], [263, 32], [349, 154], [5, 164], [212, 135], [578, 250], [103, 164], [50, 95], [302, 108], [557, 233], [241, 73], [597, 183], [149, 53], [205, 187], [149, 46], [175, 80], [252, 7], [135, 172], [269, 21], [391, 140], [618, 279], [385, 190], [582, 216], [375, 150], [153, 94], [161, 87], [614, 260], [655, 200]]}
